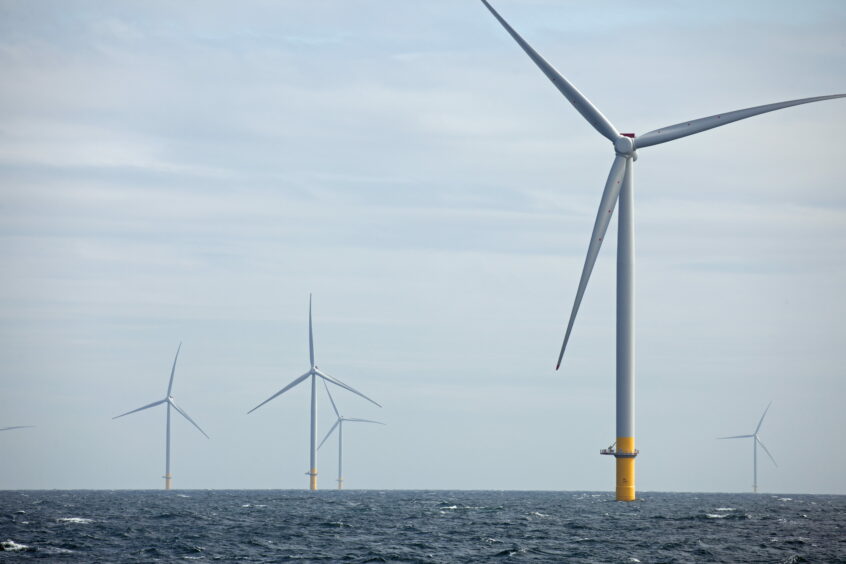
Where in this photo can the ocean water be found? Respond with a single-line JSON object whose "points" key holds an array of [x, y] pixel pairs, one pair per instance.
{"points": [[417, 526]]}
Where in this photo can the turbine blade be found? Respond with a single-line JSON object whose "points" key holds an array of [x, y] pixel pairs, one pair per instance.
{"points": [[762, 418], [362, 420], [345, 386], [600, 226], [767, 451], [186, 416], [148, 406], [17, 427], [334, 407], [337, 422], [738, 437], [282, 391], [576, 98], [310, 334], [173, 370], [686, 128]]}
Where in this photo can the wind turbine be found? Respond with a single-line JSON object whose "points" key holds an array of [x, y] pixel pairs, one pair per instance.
{"points": [[619, 186], [755, 442], [17, 427], [313, 373], [339, 424], [170, 403]]}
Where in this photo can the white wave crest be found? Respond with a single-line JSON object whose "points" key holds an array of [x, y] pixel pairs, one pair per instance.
{"points": [[715, 516], [12, 546], [75, 520], [725, 509]]}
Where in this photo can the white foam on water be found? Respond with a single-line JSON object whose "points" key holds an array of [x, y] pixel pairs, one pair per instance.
{"points": [[75, 520], [633, 559], [715, 516], [784, 498], [725, 509], [55, 550], [12, 546], [182, 495], [538, 514]]}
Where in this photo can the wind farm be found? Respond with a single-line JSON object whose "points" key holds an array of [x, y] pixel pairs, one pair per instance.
{"points": [[312, 375], [619, 187], [755, 443], [171, 175], [169, 402], [412, 167]]}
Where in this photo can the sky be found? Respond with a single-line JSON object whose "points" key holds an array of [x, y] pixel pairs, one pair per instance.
{"points": [[190, 172]]}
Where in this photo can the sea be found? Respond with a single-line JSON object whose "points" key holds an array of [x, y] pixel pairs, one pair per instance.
{"points": [[417, 526]]}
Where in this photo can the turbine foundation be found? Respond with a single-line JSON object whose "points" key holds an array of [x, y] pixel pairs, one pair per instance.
{"points": [[625, 455], [168, 478], [340, 484], [312, 479]]}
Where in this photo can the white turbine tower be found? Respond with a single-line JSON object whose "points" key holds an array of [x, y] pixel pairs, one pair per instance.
{"points": [[339, 424], [313, 373], [620, 186], [755, 442], [170, 403]]}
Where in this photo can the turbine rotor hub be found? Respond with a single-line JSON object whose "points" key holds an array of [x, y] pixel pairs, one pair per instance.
{"points": [[624, 146]]}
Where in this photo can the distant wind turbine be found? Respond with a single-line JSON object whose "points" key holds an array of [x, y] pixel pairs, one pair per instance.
{"points": [[339, 424], [313, 373], [755, 442], [619, 186], [17, 427], [170, 403]]}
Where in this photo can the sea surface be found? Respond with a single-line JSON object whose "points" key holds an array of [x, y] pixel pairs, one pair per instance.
{"points": [[417, 526]]}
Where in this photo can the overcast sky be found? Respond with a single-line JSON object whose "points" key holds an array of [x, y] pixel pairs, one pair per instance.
{"points": [[191, 171]]}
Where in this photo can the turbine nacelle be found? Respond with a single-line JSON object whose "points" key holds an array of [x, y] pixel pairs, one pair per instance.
{"points": [[624, 145]]}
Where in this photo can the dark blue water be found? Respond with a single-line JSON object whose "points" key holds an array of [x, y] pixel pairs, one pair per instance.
{"points": [[418, 526]]}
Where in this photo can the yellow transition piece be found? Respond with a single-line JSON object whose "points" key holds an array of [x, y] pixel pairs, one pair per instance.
{"points": [[625, 470], [312, 479]]}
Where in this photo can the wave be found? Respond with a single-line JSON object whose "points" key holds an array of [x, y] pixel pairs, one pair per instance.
{"points": [[12, 546], [75, 520]]}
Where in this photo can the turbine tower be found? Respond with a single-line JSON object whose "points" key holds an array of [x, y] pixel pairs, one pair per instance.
{"points": [[170, 403], [313, 373], [339, 424], [619, 186], [755, 442]]}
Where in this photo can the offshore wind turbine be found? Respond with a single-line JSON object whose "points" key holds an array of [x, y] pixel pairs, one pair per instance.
{"points": [[755, 442], [619, 186], [314, 373], [339, 424], [168, 400]]}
